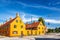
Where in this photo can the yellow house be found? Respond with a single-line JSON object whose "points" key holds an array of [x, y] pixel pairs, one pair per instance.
{"points": [[15, 27], [36, 28]]}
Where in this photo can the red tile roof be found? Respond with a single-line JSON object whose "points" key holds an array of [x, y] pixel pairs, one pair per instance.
{"points": [[5, 24], [35, 24]]}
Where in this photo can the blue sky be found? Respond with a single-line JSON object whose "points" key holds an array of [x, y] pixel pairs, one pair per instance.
{"points": [[48, 9]]}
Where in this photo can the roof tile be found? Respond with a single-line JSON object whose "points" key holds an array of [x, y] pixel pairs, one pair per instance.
{"points": [[35, 24], [5, 24]]}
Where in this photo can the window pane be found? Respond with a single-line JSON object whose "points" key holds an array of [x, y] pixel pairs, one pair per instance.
{"points": [[21, 26], [14, 26], [39, 32]]}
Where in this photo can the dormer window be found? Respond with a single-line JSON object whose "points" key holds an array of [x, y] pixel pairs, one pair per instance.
{"points": [[17, 21]]}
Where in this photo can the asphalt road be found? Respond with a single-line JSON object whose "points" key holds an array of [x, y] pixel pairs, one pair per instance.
{"points": [[46, 39]]}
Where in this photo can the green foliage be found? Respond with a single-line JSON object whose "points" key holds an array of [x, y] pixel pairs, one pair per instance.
{"points": [[56, 30], [41, 19], [50, 30]]}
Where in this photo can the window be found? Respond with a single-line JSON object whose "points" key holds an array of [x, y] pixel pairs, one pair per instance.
{"points": [[42, 27], [39, 32], [14, 32], [17, 21], [42, 31], [22, 33], [28, 32], [14, 26], [21, 26], [39, 27]]}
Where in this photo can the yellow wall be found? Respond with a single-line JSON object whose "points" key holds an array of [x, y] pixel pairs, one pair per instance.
{"points": [[18, 28], [41, 29]]}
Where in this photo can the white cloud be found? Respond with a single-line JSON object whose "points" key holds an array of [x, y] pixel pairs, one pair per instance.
{"points": [[52, 21], [27, 18], [35, 18], [24, 15]]}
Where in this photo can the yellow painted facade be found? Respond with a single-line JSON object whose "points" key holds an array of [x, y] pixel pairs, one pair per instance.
{"points": [[41, 29], [18, 28]]}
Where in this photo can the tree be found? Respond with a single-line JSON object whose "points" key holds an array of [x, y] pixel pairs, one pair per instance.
{"points": [[41, 19], [50, 30], [57, 30]]}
